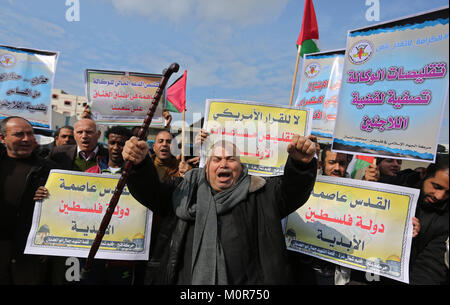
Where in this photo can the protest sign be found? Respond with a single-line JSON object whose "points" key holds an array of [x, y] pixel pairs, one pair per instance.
{"points": [[394, 88], [261, 132], [66, 223], [122, 98], [26, 83], [358, 224], [319, 89]]}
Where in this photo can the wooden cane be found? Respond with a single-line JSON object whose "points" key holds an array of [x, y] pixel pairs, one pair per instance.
{"points": [[126, 169]]}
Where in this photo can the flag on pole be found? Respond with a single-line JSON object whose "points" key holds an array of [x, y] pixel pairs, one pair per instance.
{"points": [[308, 40], [176, 95], [357, 163]]}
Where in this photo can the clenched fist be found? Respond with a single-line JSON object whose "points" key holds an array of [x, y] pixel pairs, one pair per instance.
{"points": [[134, 150], [301, 149]]}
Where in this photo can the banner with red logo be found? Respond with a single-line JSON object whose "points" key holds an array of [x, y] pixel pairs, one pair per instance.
{"points": [[394, 88], [26, 83]]}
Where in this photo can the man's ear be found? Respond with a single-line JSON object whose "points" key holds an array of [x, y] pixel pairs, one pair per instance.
{"points": [[206, 170], [2, 138]]}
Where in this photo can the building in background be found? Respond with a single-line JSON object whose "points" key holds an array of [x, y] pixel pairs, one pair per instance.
{"points": [[68, 104]]}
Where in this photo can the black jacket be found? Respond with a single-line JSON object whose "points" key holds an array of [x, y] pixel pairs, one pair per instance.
{"points": [[260, 219], [426, 264], [428, 247], [45, 149], [21, 223]]}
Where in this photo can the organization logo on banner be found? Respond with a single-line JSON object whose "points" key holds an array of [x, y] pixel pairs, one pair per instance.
{"points": [[7, 60], [312, 70], [360, 52]]}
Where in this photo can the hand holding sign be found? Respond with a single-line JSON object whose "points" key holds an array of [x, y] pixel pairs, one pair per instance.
{"points": [[41, 193]]}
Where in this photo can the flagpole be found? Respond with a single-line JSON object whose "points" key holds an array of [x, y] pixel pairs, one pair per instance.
{"points": [[295, 75], [182, 138]]}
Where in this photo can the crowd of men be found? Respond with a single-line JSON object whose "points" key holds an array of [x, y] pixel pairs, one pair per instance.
{"points": [[211, 225]]}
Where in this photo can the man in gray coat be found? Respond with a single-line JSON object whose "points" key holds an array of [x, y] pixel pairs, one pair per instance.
{"points": [[225, 223]]}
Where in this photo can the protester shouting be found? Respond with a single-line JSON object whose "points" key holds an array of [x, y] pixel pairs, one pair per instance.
{"points": [[226, 224]]}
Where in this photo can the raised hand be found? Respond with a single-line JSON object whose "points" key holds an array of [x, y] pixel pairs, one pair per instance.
{"points": [[372, 173], [301, 149], [41, 193]]}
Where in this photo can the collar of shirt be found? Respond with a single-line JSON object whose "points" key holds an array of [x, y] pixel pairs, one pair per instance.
{"points": [[83, 155], [112, 170]]}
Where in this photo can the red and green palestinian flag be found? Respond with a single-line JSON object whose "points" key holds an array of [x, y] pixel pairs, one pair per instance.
{"points": [[309, 35], [176, 95], [359, 162]]}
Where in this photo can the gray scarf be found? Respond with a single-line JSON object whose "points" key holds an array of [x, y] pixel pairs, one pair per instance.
{"points": [[208, 261]]}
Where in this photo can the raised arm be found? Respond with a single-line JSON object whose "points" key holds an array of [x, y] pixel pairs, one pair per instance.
{"points": [[293, 189]]}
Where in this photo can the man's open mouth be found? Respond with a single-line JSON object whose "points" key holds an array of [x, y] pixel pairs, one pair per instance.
{"points": [[224, 176]]}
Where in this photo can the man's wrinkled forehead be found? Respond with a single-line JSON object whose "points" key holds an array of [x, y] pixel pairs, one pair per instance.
{"points": [[224, 149], [85, 124]]}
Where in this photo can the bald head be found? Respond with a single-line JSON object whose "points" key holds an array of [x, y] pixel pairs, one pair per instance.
{"points": [[228, 147]]}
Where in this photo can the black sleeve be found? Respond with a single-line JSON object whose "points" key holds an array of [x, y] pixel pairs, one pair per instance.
{"points": [[407, 177], [293, 189]]}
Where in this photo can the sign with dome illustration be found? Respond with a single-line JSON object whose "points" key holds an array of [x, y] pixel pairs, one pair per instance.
{"points": [[357, 224], [66, 223]]}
